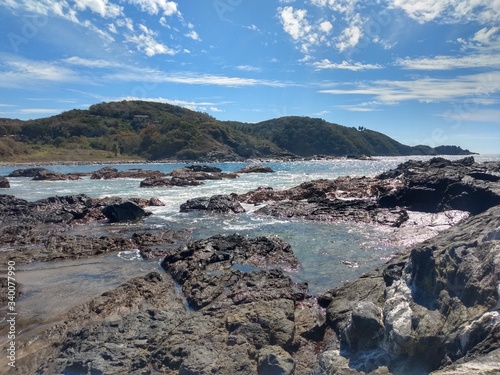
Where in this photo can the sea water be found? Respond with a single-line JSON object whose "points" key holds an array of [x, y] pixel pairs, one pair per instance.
{"points": [[329, 253]]}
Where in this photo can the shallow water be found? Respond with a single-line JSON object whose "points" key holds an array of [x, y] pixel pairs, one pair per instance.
{"points": [[329, 253]]}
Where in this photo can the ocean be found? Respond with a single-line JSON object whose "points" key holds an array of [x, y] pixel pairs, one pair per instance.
{"points": [[329, 253]]}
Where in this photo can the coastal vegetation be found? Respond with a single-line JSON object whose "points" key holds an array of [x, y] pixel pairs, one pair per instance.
{"points": [[155, 131]]}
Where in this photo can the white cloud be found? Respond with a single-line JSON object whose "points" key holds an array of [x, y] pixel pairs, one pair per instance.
{"points": [[189, 78], [147, 43], [193, 35], [164, 7], [248, 68], [344, 65], [451, 62], [349, 38], [426, 89], [450, 11], [326, 26], [102, 7], [126, 23], [112, 28], [22, 73], [74, 60]]}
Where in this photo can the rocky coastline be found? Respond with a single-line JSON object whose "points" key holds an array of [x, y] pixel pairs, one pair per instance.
{"points": [[226, 305]]}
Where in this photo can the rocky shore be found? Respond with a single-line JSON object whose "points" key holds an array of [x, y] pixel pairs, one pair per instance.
{"points": [[227, 305]]}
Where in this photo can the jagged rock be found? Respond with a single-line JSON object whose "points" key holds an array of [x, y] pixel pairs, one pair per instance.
{"points": [[155, 202], [255, 168], [439, 302], [108, 173], [123, 212], [273, 360], [168, 182], [441, 184], [4, 183], [362, 211], [216, 203]]}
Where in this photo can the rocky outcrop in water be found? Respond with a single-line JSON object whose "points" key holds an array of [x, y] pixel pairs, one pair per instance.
{"points": [[27, 172], [215, 203], [156, 182], [359, 211], [203, 168], [190, 173], [47, 175], [430, 308], [236, 313], [108, 173], [255, 168], [124, 212], [441, 184], [4, 183]]}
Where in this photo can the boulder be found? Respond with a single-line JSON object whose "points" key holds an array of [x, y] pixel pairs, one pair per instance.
{"points": [[4, 183], [195, 174], [216, 203], [273, 360], [203, 168], [123, 212], [27, 172], [47, 175], [154, 182], [255, 168]]}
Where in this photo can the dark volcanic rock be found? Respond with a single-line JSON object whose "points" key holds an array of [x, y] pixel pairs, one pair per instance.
{"points": [[429, 308], [169, 182], [255, 168], [108, 173], [216, 203], [123, 212], [203, 168], [27, 172], [4, 183], [239, 321], [441, 184], [189, 173], [362, 211], [47, 175]]}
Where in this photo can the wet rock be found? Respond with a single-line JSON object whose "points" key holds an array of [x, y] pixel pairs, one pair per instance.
{"points": [[27, 172], [361, 211], [4, 183], [255, 168], [438, 303], [155, 202], [441, 184], [108, 173], [47, 175], [168, 182], [203, 168], [194, 174], [123, 212], [216, 203]]}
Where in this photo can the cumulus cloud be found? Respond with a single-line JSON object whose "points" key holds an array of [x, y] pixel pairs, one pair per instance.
{"points": [[102, 7]]}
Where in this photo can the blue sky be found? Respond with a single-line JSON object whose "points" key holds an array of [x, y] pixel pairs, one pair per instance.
{"points": [[420, 71]]}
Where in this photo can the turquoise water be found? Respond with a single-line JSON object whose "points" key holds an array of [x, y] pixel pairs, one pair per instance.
{"points": [[329, 253]]}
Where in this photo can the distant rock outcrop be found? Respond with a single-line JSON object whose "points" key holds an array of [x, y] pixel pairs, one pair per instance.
{"points": [[255, 168], [4, 183]]}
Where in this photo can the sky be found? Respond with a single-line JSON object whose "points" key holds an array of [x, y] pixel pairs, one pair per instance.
{"points": [[420, 71]]}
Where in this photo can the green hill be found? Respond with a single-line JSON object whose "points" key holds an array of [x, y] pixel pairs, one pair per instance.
{"points": [[155, 131]]}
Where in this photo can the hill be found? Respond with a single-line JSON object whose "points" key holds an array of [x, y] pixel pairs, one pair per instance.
{"points": [[156, 131]]}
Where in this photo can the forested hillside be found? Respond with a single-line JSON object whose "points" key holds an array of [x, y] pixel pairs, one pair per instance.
{"points": [[155, 131]]}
